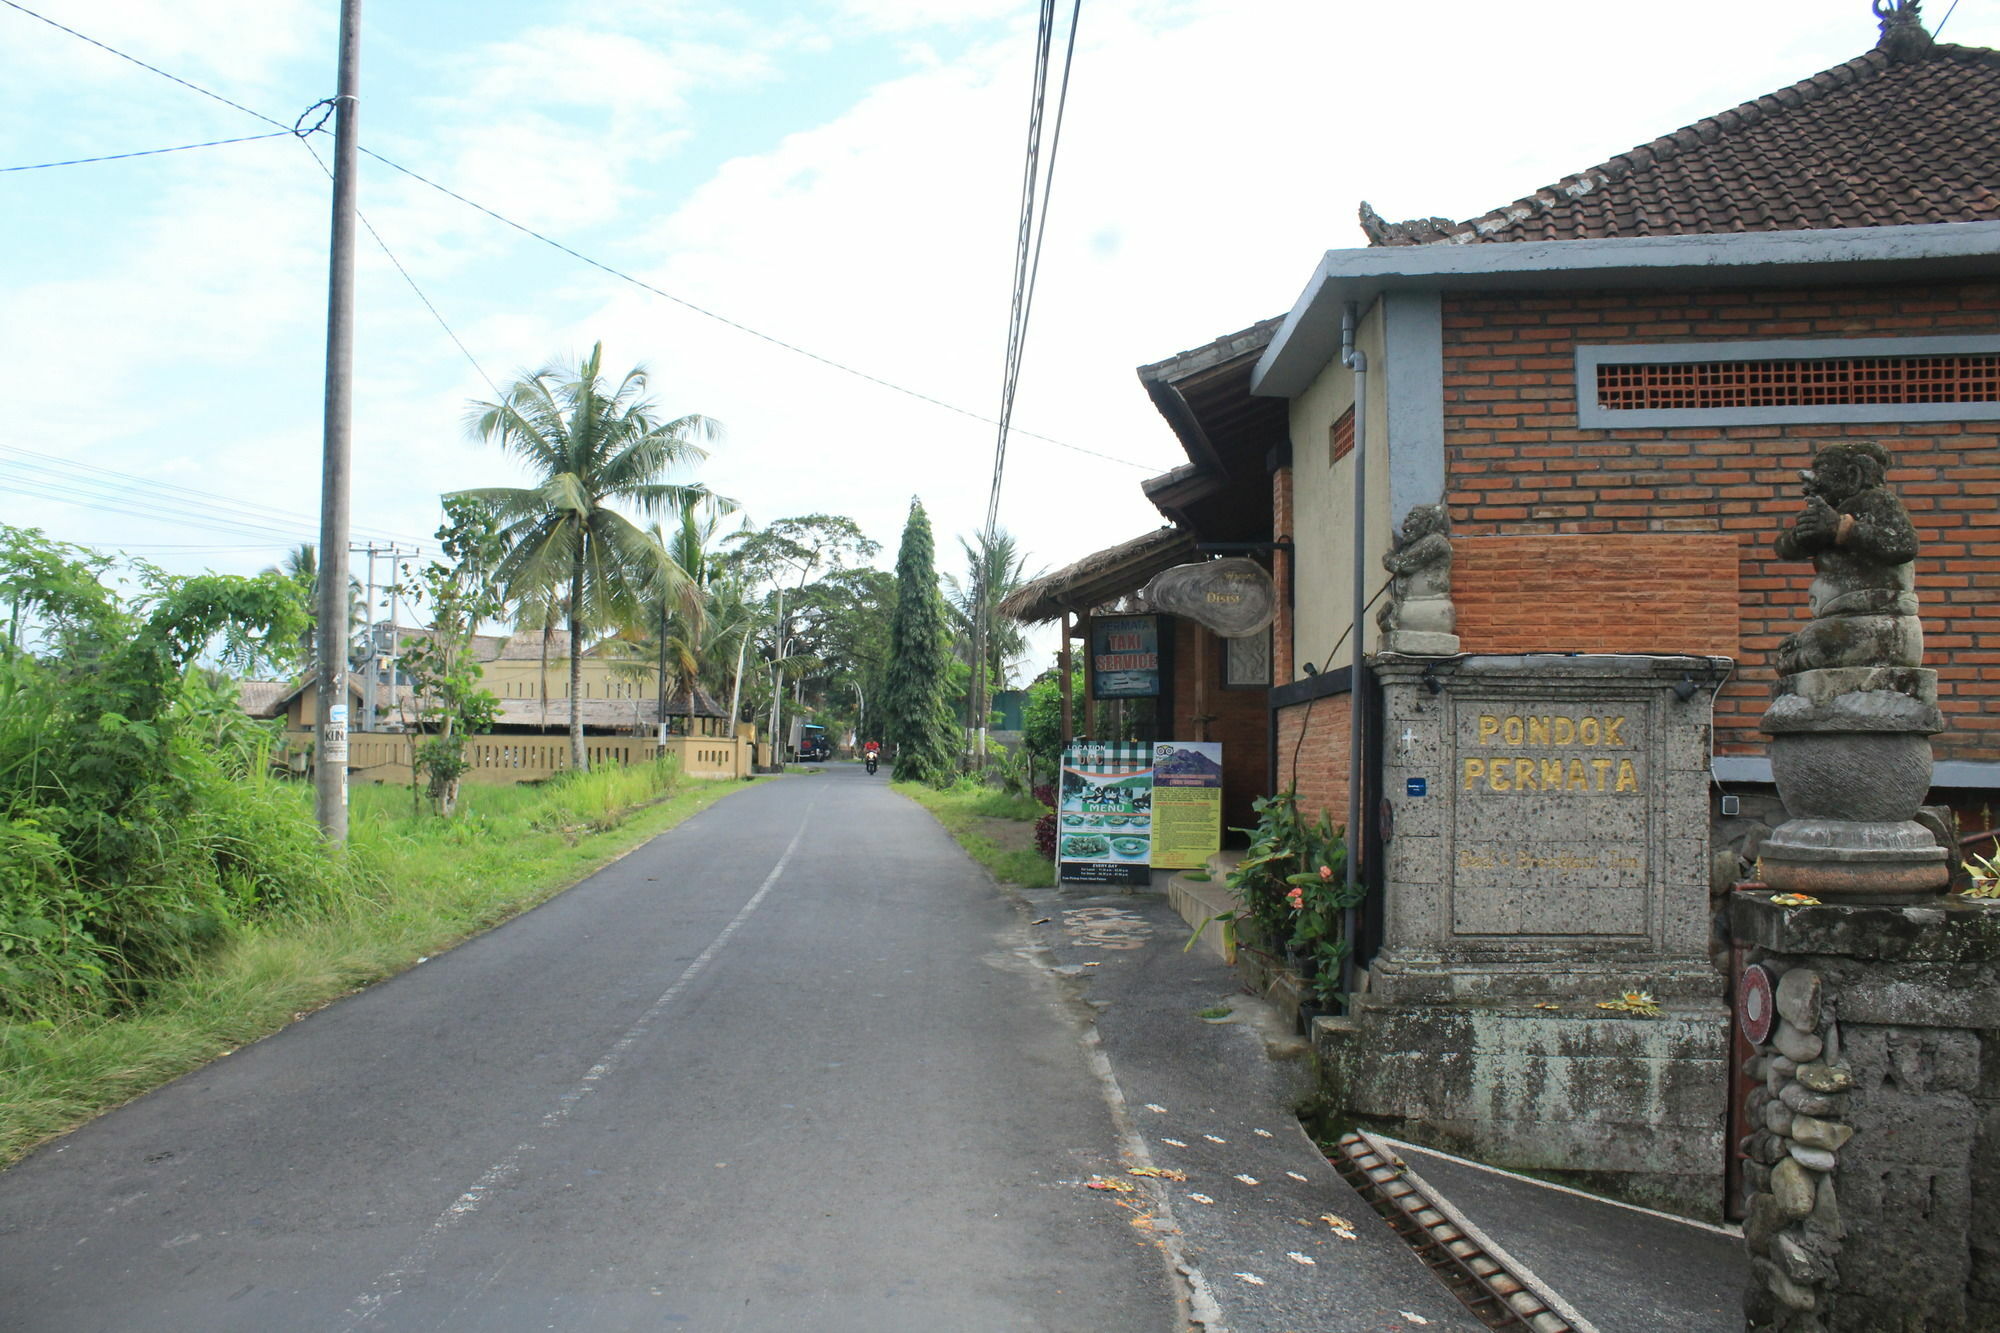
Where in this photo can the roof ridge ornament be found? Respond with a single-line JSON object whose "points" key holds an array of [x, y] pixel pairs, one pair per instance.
{"points": [[1903, 34], [1417, 231]]}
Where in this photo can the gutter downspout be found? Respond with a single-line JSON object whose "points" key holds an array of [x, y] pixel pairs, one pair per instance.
{"points": [[1356, 361]]}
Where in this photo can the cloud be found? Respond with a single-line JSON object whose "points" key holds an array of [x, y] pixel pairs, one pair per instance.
{"points": [[170, 317]]}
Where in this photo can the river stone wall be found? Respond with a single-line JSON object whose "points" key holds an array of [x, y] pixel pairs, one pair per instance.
{"points": [[1874, 1173]]}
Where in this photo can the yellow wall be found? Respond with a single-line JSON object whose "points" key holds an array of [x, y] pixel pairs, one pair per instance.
{"points": [[1322, 502], [522, 678]]}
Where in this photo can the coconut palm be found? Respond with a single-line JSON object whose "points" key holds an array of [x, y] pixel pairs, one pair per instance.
{"points": [[590, 443], [994, 567], [301, 566], [684, 626]]}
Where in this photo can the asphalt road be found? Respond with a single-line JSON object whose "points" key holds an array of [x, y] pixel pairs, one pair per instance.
{"points": [[785, 1067]]}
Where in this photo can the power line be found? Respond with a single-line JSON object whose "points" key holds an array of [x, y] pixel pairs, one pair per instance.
{"points": [[391, 255], [1033, 228], [200, 498], [172, 78], [66, 477], [579, 256], [146, 152], [643, 285]]}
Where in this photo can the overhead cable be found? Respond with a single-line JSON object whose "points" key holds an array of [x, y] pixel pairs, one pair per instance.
{"points": [[579, 256], [146, 152]]}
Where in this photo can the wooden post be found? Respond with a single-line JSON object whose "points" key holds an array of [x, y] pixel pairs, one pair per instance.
{"points": [[1063, 664], [1204, 656], [1089, 684]]}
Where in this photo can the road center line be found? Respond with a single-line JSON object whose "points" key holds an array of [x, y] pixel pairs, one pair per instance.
{"points": [[390, 1283]]}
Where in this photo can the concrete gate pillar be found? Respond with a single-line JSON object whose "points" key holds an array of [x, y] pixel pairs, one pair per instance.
{"points": [[1547, 857]]}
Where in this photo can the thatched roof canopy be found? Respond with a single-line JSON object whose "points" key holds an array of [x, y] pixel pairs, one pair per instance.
{"points": [[1115, 572]]}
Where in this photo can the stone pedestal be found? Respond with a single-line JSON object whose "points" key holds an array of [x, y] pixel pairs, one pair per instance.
{"points": [[1547, 853], [1874, 1180], [1851, 756]]}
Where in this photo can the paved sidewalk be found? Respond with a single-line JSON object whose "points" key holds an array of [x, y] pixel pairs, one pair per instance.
{"points": [[1213, 1098], [1207, 1099]]}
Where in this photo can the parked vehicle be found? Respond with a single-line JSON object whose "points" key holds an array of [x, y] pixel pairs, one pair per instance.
{"points": [[815, 746]]}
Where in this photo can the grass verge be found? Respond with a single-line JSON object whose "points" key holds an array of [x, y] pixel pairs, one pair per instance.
{"points": [[433, 883], [996, 830]]}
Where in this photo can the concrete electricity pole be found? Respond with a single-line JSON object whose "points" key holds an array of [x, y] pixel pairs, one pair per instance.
{"points": [[330, 759]]}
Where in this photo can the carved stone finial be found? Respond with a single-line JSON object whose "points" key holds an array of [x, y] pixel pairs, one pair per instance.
{"points": [[1903, 35], [1417, 231], [1861, 541], [1418, 618]]}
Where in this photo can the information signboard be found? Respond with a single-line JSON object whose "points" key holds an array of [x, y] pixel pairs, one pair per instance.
{"points": [[1187, 803], [1125, 657], [1104, 814]]}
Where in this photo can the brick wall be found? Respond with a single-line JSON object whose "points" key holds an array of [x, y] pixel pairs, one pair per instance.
{"points": [[1321, 768], [1516, 462], [1239, 719], [1563, 593]]}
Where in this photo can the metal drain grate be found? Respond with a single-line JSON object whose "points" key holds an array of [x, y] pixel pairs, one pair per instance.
{"points": [[1477, 1271]]}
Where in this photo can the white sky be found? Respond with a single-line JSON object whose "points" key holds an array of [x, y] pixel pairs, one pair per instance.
{"points": [[842, 174]]}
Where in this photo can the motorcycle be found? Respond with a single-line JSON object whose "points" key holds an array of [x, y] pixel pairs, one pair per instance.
{"points": [[871, 763]]}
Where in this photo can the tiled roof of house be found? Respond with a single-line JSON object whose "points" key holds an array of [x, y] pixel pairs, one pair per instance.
{"points": [[527, 645], [1908, 133]]}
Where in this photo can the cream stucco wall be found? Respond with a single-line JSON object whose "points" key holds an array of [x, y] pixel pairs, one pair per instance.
{"points": [[1323, 501]]}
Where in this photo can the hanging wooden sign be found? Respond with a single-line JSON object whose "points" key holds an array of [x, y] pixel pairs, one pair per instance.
{"points": [[1234, 597]]}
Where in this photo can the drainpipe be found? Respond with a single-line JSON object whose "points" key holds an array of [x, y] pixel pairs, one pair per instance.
{"points": [[1357, 361]]}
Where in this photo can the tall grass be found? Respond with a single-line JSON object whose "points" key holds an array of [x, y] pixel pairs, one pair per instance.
{"points": [[972, 812], [408, 886]]}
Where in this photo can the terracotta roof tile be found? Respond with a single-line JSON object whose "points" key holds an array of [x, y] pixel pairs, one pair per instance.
{"points": [[1878, 141]]}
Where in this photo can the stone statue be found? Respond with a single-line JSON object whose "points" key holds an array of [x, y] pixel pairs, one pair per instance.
{"points": [[1853, 709], [1418, 618], [1861, 542]]}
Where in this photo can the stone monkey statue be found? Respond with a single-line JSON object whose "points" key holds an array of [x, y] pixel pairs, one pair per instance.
{"points": [[1418, 619], [1861, 543]]}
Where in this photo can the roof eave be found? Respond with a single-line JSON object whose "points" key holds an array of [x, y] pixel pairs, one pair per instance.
{"points": [[1309, 338]]}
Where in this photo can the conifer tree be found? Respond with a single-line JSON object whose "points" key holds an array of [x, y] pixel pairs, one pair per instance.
{"points": [[915, 714]]}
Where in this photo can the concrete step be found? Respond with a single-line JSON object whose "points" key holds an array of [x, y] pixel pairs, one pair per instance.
{"points": [[1200, 902]]}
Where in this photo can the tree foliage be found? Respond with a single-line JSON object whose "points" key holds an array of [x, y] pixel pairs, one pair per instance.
{"points": [[134, 819], [916, 716], [590, 443], [446, 703]]}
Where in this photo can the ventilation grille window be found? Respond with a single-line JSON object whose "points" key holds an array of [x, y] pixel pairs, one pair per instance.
{"points": [[1341, 441], [1831, 381]]}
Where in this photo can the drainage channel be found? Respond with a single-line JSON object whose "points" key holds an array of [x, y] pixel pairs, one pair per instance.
{"points": [[1497, 1289]]}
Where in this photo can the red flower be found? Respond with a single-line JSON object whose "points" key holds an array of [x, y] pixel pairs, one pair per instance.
{"points": [[1297, 898], [1326, 872]]}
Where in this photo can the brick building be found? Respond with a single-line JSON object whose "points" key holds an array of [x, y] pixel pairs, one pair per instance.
{"points": [[1613, 383]]}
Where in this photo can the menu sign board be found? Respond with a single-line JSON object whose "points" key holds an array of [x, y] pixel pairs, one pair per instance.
{"points": [[1125, 657], [1104, 814], [1187, 803]]}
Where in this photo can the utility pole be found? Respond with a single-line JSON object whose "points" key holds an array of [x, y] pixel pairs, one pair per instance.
{"points": [[778, 681], [395, 552], [330, 765]]}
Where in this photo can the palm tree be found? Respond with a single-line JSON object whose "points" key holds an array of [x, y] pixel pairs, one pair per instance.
{"points": [[301, 566], [684, 625], [994, 567], [590, 443]]}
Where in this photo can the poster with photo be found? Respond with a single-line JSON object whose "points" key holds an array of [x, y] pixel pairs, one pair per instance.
{"points": [[1187, 803], [1104, 814]]}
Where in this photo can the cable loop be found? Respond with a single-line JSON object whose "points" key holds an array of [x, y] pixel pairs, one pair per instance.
{"points": [[329, 103]]}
